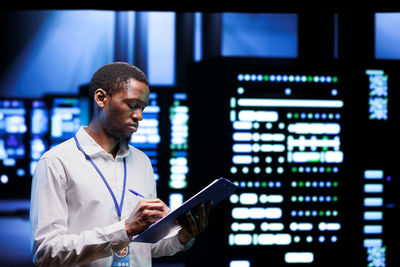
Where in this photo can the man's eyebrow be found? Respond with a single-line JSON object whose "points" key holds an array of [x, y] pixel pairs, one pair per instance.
{"points": [[137, 100]]}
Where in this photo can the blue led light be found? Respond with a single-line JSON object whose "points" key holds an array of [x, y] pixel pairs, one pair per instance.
{"points": [[4, 179], [272, 78]]}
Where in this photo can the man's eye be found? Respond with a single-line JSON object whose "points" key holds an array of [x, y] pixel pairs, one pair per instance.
{"points": [[134, 106]]}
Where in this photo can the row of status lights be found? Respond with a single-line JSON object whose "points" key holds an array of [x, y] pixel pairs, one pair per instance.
{"points": [[286, 78]]}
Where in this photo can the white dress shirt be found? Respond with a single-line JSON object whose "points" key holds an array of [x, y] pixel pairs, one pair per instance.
{"points": [[74, 221]]}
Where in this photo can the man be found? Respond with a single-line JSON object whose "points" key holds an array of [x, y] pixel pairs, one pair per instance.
{"points": [[81, 210]]}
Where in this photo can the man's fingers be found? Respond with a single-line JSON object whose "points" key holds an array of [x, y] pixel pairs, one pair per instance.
{"points": [[153, 204], [207, 213], [202, 217], [192, 223]]}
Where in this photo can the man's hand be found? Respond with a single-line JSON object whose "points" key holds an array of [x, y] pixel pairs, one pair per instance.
{"points": [[147, 212], [194, 226]]}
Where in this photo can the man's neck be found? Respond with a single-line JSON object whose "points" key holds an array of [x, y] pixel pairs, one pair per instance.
{"points": [[108, 143]]}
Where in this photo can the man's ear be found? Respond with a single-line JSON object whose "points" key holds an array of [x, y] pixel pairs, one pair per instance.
{"points": [[100, 97]]}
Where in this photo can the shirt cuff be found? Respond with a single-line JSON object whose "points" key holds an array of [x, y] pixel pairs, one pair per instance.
{"points": [[117, 235], [185, 246]]}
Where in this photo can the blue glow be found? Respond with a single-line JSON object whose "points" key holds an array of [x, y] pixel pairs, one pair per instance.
{"points": [[179, 117], [373, 202], [373, 188], [373, 215], [373, 174], [65, 119], [243, 32], [161, 48], [373, 229], [4, 179], [12, 131], [197, 46], [378, 94], [31, 75], [387, 41]]}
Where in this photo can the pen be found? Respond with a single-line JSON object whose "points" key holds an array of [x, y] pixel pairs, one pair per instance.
{"points": [[136, 193]]}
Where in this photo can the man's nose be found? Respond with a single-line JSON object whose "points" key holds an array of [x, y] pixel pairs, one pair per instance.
{"points": [[138, 114]]}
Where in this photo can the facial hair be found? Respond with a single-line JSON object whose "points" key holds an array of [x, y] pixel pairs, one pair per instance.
{"points": [[118, 135]]}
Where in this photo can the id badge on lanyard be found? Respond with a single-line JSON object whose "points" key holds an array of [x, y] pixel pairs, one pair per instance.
{"points": [[121, 257]]}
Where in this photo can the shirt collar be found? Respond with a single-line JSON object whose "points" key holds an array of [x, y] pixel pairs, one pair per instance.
{"points": [[92, 149]]}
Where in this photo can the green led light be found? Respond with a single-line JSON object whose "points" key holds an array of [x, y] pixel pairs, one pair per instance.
{"points": [[335, 184], [321, 213], [294, 169], [334, 79], [309, 78], [301, 184], [264, 184], [335, 199]]}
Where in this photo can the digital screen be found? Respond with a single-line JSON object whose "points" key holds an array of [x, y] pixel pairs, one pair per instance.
{"points": [[377, 172], [373, 211], [276, 131], [66, 118], [287, 157], [378, 94], [179, 143], [163, 136], [39, 132], [13, 149], [147, 138]]}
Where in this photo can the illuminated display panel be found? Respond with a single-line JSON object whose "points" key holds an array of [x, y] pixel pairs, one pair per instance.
{"points": [[373, 215], [377, 171], [276, 130], [65, 115], [378, 94], [38, 132], [147, 137], [163, 136], [287, 157], [179, 117], [13, 149], [179, 167]]}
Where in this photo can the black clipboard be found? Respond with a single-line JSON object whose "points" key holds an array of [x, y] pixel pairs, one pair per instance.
{"points": [[217, 191]]}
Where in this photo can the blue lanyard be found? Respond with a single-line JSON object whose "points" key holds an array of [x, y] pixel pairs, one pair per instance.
{"points": [[118, 207]]}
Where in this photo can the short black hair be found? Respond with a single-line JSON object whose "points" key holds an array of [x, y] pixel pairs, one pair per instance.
{"points": [[112, 77]]}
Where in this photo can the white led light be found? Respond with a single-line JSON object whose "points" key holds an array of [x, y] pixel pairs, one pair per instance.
{"points": [[248, 198], [312, 103], [299, 257], [373, 174], [242, 125], [373, 215], [239, 263], [373, 188]]}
